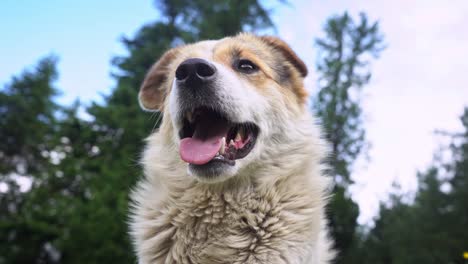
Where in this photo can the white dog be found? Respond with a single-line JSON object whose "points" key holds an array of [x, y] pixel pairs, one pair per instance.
{"points": [[234, 174]]}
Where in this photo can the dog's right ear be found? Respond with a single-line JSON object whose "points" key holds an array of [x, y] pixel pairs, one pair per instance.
{"points": [[154, 88]]}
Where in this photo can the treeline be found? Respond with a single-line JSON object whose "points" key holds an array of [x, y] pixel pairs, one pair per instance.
{"points": [[81, 170]]}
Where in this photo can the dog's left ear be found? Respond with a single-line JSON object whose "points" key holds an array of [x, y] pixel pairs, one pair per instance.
{"points": [[287, 52], [154, 88]]}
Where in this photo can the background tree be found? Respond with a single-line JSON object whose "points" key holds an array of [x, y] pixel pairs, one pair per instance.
{"points": [[27, 128], [343, 61], [430, 228], [27, 105]]}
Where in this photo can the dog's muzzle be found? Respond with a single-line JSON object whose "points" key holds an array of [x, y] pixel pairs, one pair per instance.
{"points": [[197, 84], [211, 140]]}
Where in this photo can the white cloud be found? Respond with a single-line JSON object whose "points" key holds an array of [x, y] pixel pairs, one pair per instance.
{"points": [[419, 84]]}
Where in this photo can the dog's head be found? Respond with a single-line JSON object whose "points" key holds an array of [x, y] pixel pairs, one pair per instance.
{"points": [[229, 102]]}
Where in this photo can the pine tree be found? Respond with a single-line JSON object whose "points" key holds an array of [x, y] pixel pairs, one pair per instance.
{"points": [[343, 71], [458, 194], [429, 229], [27, 109], [27, 128]]}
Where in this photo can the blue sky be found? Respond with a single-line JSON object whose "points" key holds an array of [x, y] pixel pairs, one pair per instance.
{"points": [[419, 84], [84, 34]]}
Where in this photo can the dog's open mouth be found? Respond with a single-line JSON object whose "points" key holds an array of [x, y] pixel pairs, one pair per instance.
{"points": [[208, 135]]}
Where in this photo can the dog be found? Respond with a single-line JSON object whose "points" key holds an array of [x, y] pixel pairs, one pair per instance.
{"points": [[235, 172]]}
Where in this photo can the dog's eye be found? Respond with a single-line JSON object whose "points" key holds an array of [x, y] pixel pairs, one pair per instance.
{"points": [[246, 66]]}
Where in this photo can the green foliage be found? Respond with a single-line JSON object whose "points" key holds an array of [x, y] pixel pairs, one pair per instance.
{"points": [[27, 128], [343, 71], [200, 19], [26, 106], [431, 229], [342, 216]]}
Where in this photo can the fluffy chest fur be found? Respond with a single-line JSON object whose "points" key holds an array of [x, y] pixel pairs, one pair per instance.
{"points": [[241, 225]]}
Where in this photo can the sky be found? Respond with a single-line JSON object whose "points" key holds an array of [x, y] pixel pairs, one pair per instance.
{"points": [[419, 83]]}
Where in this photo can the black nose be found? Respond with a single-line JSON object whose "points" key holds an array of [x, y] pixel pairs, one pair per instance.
{"points": [[193, 72]]}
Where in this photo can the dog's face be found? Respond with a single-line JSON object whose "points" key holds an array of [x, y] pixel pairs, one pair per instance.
{"points": [[229, 101]]}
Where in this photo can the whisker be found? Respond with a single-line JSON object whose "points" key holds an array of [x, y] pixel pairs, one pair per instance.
{"points": [[158, 116]]}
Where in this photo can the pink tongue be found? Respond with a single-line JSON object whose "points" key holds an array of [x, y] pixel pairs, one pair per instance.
{"points": [[197, 151], [206, 140]]}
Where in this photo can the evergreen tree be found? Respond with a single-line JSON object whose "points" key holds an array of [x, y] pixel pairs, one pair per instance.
{"points": [[27, 118], [458, 194], [429, 229], [343, 71], [27, 128]]}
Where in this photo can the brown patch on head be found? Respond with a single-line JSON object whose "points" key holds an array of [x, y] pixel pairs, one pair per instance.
{"points": [[287, 52], [277, 61], [290, 69], [154, 90], [231, 51]]}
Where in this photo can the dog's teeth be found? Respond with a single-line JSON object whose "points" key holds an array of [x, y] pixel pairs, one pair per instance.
{"points": [[238, 136], [223, 146], [189, 116]]}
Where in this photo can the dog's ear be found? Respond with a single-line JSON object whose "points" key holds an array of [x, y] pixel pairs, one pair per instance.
{"points": [[287, 52], [154, 89]]}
